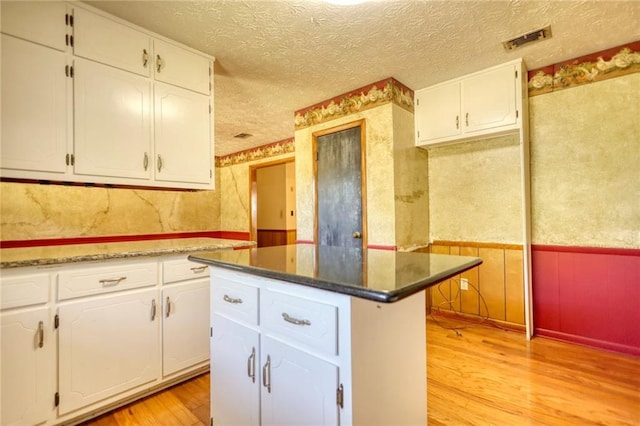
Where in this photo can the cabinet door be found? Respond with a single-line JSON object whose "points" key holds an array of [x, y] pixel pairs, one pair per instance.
{"points": [[235, 375], [42, 22], [34, 107], [104, 40], [27, 371], [185, 326], [112, 122], [489, 99], [107, 345], [183, 141], [438, 112], [178, 66], [298, 388]]}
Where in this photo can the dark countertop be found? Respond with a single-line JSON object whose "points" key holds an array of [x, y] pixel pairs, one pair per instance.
{"points": [[380, 275]]}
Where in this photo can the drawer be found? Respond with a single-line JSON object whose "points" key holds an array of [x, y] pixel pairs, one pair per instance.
{"points": [[234, 300], [313, 324], [106, 279], [182, 269], [23, 290]]}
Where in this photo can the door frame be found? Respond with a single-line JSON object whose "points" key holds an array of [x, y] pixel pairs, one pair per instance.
{"points": [[253, 193], [363, 175]]}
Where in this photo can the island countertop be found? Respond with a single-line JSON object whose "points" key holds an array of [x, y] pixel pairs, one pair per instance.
{"points": [[379, 275]]}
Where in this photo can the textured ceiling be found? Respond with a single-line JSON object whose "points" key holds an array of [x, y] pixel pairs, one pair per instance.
{"points": [[276, 57]]}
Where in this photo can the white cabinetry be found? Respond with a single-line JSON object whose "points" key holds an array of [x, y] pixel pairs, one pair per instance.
{"points": [[27, 370], [40, 22], [112, 122], [480, 105], [285, 354], [108, 344], [185, 323], [181, 68]]}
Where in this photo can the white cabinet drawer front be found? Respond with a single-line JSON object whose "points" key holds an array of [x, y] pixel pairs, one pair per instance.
{"points": [[183, 269], [112, 43], [234, 300], [23, 290], [178, 66], [106, 279], [305, 321]]}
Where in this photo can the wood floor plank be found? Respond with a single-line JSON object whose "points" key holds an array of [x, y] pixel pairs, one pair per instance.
{"points": [[478, 375]]}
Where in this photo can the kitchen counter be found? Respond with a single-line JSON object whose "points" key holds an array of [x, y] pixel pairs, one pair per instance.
{"points": [[378, 275], [52, 255]]}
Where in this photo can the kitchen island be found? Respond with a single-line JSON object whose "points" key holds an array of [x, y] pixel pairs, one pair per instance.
{"points": [[321, 335]]}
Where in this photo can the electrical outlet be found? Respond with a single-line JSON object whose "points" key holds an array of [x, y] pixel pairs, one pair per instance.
{"points": [[464, 284]]}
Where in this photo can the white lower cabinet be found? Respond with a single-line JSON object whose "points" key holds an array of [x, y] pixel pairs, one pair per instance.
{"points": [[185, 325], [27, 370], [107, 345]]}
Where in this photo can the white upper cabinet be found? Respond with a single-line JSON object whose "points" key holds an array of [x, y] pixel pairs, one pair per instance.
{"points": [[34, 107], [112, 122], [180, 67], [183, 139], [109, 42], [480, 105], [42, 22]]}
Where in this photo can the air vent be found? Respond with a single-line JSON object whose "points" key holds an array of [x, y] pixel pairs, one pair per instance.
{"points": [[537, 35], [243, 135]]}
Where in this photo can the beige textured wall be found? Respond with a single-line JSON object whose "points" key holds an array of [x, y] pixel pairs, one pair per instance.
{"points": [[585, 164], [475, 191], [32, 211], [379, 169], [234, 194], [410, 183]]}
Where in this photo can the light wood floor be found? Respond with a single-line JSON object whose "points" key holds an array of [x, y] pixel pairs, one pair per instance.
{"points": [[477, 376]]}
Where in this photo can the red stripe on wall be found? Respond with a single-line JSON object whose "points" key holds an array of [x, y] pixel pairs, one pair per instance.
{"points": [[123, 238], [588, 295]]}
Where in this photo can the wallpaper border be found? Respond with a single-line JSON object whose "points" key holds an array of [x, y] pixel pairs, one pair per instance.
{"points": [[285, 146]]}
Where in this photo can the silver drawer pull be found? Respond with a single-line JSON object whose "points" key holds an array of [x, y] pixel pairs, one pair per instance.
{"points": [[198, 269], [251, 365], [153, 310], [40, 334], [266, 374], [295, 321], [232, 300], [112, 281], [168, 306]]}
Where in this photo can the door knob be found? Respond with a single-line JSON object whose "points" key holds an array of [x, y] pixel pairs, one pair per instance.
{"points": [[357, 234]]}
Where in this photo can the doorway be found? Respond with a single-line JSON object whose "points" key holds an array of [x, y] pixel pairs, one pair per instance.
{"points": [[340, 182], [273, 203]]}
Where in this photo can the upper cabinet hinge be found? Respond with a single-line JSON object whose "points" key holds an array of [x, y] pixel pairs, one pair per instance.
{"points": [[68, 19], [209, 108], [516, 73], [418, 134], [211, 176], [340, 396], [517, 114], [211, 331], [56, 322], [68, 71], [73, 160], [56, 399], [68, 40], [417, 101]]}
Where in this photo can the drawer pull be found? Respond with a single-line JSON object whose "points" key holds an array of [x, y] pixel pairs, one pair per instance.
{"points": [[266, 374], [295, 321], [251, 365], [153, 310], [112, 281], [198, 269], [168, 306], [40, 334], [232, 300]]}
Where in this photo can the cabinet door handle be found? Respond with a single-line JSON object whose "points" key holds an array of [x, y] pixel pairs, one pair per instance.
{"points": [[145, 161], [153, 310], [457, 121], [198, 269], [168, 306], [466, 119], [159, 63], [145, 58], [40, 334], [295, 321], [232, 300], [251, 365], [266, 374], [112, 281], [159, 163]]}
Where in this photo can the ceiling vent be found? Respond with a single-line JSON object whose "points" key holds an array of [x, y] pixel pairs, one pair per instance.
{"points": [[537, 35], [243, 135]]}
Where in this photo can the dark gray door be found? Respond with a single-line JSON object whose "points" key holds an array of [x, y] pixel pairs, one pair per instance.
{"points": [[340, 189]]}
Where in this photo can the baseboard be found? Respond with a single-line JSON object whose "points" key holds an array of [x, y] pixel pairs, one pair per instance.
{"points": [[586, 341]]}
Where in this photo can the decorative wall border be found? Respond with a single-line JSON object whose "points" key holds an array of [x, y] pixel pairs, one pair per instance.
{"points": [[598, 66], [285, 146], [370, 96]]}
